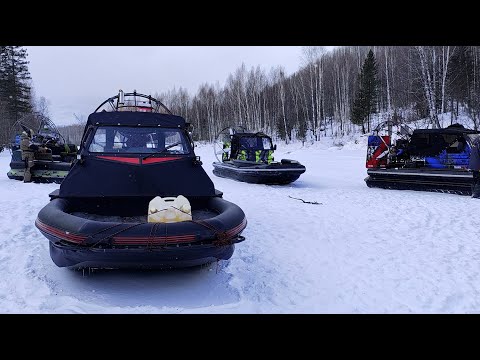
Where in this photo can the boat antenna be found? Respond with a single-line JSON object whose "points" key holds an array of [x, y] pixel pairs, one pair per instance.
{"points": [[121, 99]]}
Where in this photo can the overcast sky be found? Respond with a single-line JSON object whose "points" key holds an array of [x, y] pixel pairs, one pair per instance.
{"points": [[76, 79]]}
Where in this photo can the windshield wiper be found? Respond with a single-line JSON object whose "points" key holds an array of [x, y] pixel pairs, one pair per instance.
{"points": [[163, 150]]}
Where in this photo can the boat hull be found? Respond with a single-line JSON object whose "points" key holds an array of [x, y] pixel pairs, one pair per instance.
{"points": [[435, 180], [270, 175], [98, 241], [43, 171], [70, 256]]}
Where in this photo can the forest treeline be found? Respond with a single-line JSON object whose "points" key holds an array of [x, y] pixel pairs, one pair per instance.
{"points": [[333, 93], [410, 83]]}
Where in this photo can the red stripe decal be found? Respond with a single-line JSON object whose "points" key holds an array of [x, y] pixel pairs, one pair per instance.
{"points": [[134, 240], [134, 160], [237, 229], [61, 234], [127, 160], [153, 160], [154, 240]]}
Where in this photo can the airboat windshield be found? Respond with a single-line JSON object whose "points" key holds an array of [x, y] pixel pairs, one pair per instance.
{"points": [[138, 140], [256, 143]]}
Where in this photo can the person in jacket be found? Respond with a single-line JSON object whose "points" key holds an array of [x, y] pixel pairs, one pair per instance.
{"points": [[226, 151], [28, 153], [474, 167]]}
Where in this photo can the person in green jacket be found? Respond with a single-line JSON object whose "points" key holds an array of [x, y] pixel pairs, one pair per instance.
{"points": [[226, 151]]}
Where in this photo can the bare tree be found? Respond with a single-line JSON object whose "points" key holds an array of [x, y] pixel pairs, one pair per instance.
{"points": [[427, 67], [415, 85], [42, 106]]}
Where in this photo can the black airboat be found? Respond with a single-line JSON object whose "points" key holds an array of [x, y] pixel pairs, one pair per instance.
{"points": [[248, 157], [135, 151]]}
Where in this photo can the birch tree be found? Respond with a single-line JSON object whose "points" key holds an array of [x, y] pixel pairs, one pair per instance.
{"points": [[427, 68]]}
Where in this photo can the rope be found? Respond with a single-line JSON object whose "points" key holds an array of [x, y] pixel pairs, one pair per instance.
{"points": [[108, 228], [166, 233], [153, 232], [150, 235], [185, 212], [116, 233], [222, 237]]}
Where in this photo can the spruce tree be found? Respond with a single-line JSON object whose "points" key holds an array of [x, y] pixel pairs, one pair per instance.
{"points": [[358, 113], [365, 102], [15, 91]]}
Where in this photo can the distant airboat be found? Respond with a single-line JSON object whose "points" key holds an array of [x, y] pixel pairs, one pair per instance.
{"points": [[50, 166], [248, 157], [422, 159]]}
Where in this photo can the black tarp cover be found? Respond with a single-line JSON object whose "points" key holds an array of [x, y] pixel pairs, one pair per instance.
{"points": [[129, 175], [430, 142], [100, 177]]}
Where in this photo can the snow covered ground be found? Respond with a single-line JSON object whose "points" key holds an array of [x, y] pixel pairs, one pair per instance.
{"points": [[361, 251]]}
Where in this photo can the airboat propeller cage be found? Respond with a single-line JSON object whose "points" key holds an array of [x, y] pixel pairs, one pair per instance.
{"points": [[127, 174], [135, 102], [46, 128]]}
